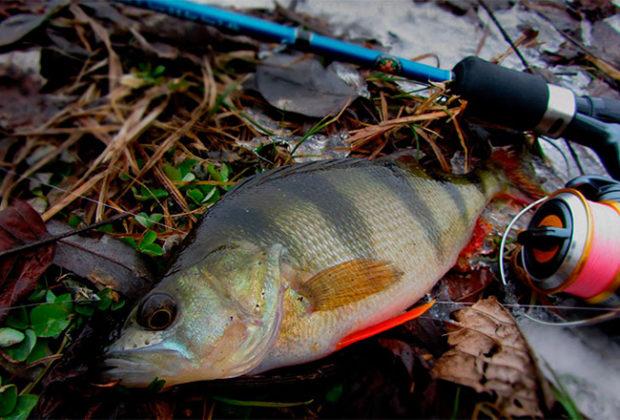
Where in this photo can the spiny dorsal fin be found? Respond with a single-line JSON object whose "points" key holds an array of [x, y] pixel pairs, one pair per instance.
{"points": [[301, 168], [348, 282]]}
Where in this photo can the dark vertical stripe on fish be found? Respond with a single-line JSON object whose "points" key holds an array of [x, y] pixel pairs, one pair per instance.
{"points": [[456, 195], [403, 188], [335, 208]]}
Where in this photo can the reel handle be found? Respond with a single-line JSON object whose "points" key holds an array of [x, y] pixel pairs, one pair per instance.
{"points": [[602, 109], [603, 138]]}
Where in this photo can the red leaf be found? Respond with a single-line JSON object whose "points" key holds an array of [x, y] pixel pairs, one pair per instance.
{"points": [[21, 224]]}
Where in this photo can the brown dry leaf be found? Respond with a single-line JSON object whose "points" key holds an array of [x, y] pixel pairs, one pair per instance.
{"points": [[490, 355], [20, 224], [107, 262]]}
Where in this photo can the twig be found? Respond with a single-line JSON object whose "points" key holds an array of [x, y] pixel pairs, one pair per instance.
{"points": [[55, 238], [506, 36]]}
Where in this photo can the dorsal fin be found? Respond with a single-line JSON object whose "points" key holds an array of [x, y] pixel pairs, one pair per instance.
{"points": [[303, 168]]}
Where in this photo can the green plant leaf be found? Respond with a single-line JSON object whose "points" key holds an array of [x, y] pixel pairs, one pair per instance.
{"points": [[38, 295], [18, 318], [66, 301], [8, 399], [40, 350], [148, 221], [19, 352], [224, 172], [50, 297], [74, 221], [130, 241], [49, 319], [84, 309], [185, 168], [146, 194], [334, 394], [10, 336], [172, 173], [188, 177], [143, 219], [215, 174], [25, 404], [196, 195], [117, 305], [105, 299], [153, 250], [148, 238], [107, 228], [155, 218]]}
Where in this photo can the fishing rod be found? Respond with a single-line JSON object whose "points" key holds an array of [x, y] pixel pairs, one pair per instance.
{"points": [[496, 94]]}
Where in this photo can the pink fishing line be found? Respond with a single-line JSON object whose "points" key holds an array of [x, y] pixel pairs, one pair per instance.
{"points": [[602, 263]]}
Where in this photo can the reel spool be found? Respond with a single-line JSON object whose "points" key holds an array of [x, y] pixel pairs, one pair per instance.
{"points": [[572, 243]]}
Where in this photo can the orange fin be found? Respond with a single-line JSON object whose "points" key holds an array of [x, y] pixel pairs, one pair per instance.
{"points": [[519, 171], [385, 325], [348, 282], [480, 232]]}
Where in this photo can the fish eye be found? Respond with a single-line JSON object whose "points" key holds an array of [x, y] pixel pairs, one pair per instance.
{"points": [[157, 311]]}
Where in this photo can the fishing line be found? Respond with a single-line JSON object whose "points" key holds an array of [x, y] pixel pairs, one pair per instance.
{"points": [[502, 272], [611, 313], [518, 305], [92, 200]]}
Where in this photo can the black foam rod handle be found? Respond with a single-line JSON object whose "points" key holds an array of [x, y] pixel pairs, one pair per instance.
{"points": [[500, 95]]}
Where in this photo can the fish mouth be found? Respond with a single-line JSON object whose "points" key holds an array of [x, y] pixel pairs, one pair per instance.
{"points": [[134, 368]]}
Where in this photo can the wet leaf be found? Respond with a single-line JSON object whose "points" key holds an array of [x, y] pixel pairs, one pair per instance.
{"points": [[490, 355], [21, 224], [49, 319], [8, 399], [25, 404], [20, 352], [16, 27], [302, 85], [9, 337], [107, 262]]}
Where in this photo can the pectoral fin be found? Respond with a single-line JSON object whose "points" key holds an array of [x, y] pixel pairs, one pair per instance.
{"points": [[348, 282]]}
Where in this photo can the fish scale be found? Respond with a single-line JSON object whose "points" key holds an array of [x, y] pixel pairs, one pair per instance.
{"points": [[323, 215]]}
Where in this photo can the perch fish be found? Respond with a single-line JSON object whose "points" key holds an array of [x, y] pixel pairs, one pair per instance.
{"points": [[294, 264]]}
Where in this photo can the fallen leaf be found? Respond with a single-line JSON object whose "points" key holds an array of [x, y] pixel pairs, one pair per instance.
{"points": [[299, 84], [489, 354], [20, 224], [18, 26], [107, 262]]}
